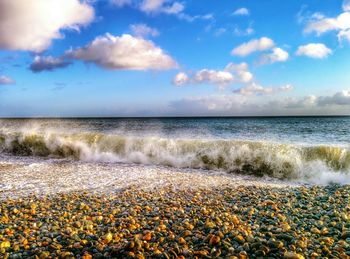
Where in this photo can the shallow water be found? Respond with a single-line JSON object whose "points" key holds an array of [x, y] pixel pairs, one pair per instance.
{"points": [[20, 177]]}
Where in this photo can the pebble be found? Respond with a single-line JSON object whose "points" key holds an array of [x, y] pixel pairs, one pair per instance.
{"points": [[242, 222]]}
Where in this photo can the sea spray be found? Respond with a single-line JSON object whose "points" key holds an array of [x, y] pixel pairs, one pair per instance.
{"points": [[258, 158]]}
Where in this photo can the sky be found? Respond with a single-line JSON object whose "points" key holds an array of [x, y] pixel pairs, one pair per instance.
{"points": [[69, 58]]}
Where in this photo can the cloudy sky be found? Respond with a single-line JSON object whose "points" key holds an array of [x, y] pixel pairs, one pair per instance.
{"points": [[174, 57]]}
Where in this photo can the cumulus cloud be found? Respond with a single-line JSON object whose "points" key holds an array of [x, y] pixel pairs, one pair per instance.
{"points": [[213, 77], [181, 79], [253, 89], [314, 50], [320, 24], [124, 53], [5, 80], [247, 48], [142, 30], [241, 72], [216, 77], [48, 63], [233, 73], [339, 98], [256, 89], [241, 11], [276, 55], [33, 24]]}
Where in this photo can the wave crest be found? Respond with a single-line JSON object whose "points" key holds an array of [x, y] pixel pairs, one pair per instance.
{"points": [[281, 161]]}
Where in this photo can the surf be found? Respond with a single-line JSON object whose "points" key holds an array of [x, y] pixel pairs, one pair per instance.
{"points": [[257, 158]]}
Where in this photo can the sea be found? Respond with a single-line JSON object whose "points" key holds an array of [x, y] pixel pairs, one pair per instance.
{"points": [[52, 155]]}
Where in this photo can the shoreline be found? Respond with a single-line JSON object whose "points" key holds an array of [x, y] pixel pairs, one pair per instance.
{"points": [[226, 222], [28, 176]]}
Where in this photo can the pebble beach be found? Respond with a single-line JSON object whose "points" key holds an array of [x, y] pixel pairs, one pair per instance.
{"points": [[105, 188], [166, 222]]}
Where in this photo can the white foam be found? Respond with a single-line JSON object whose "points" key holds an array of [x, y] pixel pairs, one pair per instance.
{"points": [[282, 161], [20, 177]]}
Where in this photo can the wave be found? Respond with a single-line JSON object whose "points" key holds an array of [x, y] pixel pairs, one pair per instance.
{"points": [[282, 161]]}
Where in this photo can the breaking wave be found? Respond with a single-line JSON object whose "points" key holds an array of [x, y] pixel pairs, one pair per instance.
{"points": [[282, 161]]}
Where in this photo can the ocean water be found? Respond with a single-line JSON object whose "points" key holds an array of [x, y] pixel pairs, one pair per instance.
{"points": [[286, 149]]}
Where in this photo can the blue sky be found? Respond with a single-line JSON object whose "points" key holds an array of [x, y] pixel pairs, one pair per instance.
{"points": [[165, 57]]}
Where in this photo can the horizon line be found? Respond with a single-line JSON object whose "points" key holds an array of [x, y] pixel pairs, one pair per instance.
{"points": [[172, 117]]}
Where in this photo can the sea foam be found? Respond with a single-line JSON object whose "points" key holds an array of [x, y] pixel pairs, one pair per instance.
{"points": [[315, 164]]}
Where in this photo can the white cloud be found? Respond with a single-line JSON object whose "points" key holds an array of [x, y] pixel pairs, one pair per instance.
{"points": [[241, 72], [241, 11], [121, 3], [344, 36], [213, 77], [208, 16], [153, 7], [320, 24], [5, 80], [253, 89], [305, 102], [247, 48], [234, 67], [124, 52], [212, 104], [233, 73], [238, 74], [142, 30], [244, 32], [227, 104], [339, 98], [231, 104], [256, 89], [260, 101], [161, 6], [276, 55], [346, 5], [192, 18], [314, 50], [175, 8], [209, 76], [181, 79], [33, 24], [286, 88], [48, 63]]}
